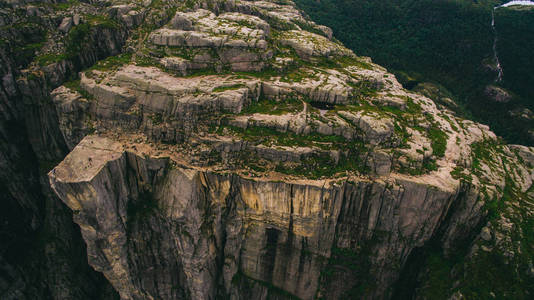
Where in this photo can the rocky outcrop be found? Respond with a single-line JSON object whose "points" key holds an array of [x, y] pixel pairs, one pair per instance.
{"points": [[497, 94], [238, 38], [308, 44], [213, 228], [234, 150], [253, 184]]}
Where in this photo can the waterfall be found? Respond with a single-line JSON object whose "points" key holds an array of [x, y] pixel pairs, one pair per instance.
{"points": [[495, 54]]}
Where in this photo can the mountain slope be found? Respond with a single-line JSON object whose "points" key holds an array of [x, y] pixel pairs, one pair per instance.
{"points": [[448, 43]]}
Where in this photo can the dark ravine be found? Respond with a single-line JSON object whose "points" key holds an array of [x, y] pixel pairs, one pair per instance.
{"points": [[42, 254], [200, 167]]}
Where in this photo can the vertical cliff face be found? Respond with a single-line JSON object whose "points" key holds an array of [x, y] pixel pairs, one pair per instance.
{"points": [[158, 230], [236, 150], [162, 231]]}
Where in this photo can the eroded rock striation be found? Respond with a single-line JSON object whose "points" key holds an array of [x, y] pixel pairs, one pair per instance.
{"points": [[235, 149]]}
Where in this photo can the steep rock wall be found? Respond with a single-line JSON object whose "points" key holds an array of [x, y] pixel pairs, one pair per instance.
{"points": [[157, 230]]}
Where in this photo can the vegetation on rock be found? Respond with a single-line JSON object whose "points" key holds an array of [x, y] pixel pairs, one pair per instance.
{"points": [[225, 149], [448, 43]]}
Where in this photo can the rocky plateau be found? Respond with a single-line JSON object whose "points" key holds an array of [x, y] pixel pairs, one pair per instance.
{"points": [[236, 150]]}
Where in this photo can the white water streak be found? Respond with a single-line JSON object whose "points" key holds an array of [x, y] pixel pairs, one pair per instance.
{"points": [[495, 55]]}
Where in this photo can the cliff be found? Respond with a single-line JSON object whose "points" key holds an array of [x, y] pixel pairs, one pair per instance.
{"points": [[237, 150]]}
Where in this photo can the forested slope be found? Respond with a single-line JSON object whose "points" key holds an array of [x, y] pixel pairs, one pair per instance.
{"points": [[448, 43]]}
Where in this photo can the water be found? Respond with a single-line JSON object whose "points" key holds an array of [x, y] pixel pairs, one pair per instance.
{"points": [[495, 54], [495, 39]]}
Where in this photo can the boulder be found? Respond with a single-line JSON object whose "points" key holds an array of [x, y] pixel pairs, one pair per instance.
{"points": [[66, 24], [497, 94]]}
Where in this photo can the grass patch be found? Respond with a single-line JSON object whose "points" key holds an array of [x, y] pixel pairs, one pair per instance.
{"points": [[228, 88], [482, 152], [458, 173], [269, 136], [315, 166], [156, 118], [102, 21], [49, 58], [438, 141], [274, 107], [322, 165], [112, 62], [63, 5], [363, 89], [75, 85], [78, 39]]}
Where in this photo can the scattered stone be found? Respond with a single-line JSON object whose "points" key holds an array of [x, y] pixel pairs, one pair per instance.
{"points": [[76, 19], [485, 234], [66, 24], [522, 113]]}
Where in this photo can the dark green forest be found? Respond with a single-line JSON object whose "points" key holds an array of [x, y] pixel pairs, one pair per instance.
{"points": [[447, 43]]}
